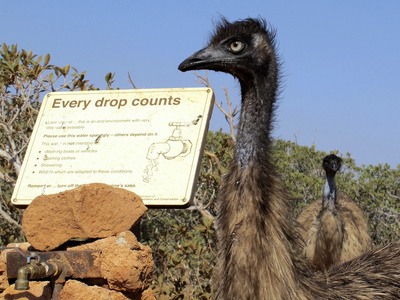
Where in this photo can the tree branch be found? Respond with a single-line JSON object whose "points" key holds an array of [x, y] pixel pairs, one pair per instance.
{"points": [[230, 115], [9, 219], [131, 81]]}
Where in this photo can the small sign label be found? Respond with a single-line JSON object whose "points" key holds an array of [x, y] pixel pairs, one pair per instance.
{"points": [[147, 141]]}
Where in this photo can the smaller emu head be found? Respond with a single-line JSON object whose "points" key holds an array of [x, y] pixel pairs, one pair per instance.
{"points": [[331, 164]]}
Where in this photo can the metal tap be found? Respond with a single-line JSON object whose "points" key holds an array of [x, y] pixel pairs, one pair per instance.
{"points": [[36, 270]]}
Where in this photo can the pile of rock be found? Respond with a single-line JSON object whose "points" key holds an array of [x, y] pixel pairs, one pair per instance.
{"points": [[94, 211]]}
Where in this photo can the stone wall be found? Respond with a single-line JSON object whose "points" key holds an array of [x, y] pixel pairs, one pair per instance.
{"points": [[97, 212]]}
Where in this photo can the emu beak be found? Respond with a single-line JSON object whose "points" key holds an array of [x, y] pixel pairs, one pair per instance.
{"points": [[207, 58], [195, 61], [335, 167]]}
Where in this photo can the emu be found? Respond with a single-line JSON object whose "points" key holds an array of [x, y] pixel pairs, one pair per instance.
{"points": [[335, 229], [258, 253]]}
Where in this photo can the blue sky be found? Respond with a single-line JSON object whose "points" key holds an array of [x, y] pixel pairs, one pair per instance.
{"points": [[341, 58]]}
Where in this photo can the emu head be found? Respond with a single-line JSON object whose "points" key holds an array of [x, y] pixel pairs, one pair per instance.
{"points": [[331, 164], [244, 49]]}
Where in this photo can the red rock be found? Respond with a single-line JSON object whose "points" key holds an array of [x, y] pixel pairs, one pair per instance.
{"points": [[147, 295], [38, 290], [126, 264], [92, 210], [77, 290]]}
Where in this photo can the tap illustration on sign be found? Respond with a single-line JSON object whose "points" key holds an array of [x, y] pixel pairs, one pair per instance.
{"points": [[174, 146]]}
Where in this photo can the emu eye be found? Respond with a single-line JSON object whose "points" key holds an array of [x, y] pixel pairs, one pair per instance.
{"points": [[236, 46]]}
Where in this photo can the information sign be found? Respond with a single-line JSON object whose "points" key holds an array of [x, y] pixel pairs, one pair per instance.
{"points": [[148, 141]]}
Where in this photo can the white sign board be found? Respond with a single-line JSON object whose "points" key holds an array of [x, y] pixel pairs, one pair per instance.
{"points": [[147, 141]]}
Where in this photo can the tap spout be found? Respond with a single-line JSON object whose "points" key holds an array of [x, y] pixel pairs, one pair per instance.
{"points": [[36, 270]]}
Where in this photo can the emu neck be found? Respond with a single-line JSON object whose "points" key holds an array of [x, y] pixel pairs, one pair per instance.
{"points": [[255, 124], [256, 234], [329, 198], [329, 229]]}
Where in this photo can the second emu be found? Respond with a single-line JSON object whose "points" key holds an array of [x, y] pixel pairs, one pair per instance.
{"points": [[335, 229]]}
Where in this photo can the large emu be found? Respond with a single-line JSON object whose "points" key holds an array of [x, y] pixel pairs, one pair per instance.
{"points": [[258, 256], [335, 229]]}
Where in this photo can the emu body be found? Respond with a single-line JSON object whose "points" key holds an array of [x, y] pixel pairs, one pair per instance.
{"points": [[259, 256], [335, 229]]}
